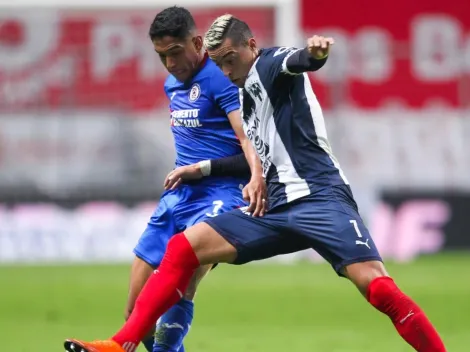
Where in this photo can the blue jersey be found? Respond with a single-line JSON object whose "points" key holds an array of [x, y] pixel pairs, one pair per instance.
{"points": [[284, 121], [199, 110], [201, 131]]}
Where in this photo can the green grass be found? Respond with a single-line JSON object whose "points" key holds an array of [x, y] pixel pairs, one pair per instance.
{"points": [[273, 308]]}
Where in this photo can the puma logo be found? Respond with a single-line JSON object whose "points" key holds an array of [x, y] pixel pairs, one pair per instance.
{"points": [[405, 318], [362, 243]]}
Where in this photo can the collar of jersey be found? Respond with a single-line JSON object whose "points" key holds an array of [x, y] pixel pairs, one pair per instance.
{"points": [[252, 67], [201, 66]]}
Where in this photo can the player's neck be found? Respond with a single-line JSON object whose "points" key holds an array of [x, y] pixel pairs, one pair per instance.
{"points": [[256, 54], [202, 57], [201, 61]]}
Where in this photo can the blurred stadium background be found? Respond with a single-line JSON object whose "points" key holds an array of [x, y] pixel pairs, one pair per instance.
{"points": [[85, 145]]}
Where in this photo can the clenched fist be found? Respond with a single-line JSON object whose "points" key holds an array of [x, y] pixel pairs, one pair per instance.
{"points": [[319, 46]]}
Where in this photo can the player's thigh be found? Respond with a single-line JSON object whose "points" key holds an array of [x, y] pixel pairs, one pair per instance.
{"points": [[331, 223], [208, 202], [255, 238]]}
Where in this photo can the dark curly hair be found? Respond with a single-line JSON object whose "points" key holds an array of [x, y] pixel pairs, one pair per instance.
{"points": [[176, 22]]}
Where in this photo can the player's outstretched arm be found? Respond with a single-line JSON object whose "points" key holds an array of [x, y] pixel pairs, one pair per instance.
{"points": [[311, 58], [255, 191]]}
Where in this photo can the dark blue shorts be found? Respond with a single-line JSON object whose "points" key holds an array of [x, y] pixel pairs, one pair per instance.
{"points": [[327, 221]]}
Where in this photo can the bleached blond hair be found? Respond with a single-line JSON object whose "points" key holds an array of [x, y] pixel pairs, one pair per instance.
{"points": [[215, 35], [223, 26]]}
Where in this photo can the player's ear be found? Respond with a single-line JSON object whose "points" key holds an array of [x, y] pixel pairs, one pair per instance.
{"points": [[197, 41], [252, 44]]}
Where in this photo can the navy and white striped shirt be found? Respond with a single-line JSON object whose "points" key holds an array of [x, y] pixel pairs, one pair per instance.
{"points": [[284, 121]]}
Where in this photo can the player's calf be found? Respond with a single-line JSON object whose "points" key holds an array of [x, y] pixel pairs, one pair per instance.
{"points": [[140, 272], [174, 325], [381, 291], [184, 255]]}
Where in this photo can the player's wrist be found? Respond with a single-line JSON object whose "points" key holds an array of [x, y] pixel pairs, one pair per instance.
{"points": [[204, 167], [256, 172]]}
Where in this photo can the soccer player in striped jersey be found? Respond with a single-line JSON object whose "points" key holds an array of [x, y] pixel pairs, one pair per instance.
{"points": [[310, 201]]}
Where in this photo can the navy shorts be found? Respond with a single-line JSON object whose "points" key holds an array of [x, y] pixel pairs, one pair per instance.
{"points": [[327, 221]]}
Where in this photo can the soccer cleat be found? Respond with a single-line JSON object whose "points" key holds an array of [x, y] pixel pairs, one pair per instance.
{"points": [[72, 345]]}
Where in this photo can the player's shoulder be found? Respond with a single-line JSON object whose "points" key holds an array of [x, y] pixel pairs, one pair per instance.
{"points": [[276, 53], [170, 83], [272, 61], [269, 52], [212, 78], [211, 71]]}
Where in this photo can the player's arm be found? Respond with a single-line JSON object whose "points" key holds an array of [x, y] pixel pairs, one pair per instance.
{"points": [[309, 59], [226, 96], [235, 165], [255, 191]]}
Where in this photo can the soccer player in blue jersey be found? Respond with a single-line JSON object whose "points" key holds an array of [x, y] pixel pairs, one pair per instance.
{"points": [[310, 201], [203, 104]]}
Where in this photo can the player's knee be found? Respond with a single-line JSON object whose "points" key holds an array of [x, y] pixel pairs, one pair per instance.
{"points": [[179, 252], [362, 274], [197, 277]]}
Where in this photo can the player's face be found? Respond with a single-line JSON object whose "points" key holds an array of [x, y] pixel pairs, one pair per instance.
{"points": [[235, 60], [179, 56]]}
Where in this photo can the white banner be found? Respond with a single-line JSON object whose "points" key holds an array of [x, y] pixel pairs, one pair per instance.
{"points": [[108, 231]]}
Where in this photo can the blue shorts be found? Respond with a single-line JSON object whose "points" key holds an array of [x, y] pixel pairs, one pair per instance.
{"points": [[180, 209], [327, 221]]}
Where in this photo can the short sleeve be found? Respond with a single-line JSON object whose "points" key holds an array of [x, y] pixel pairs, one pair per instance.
{"points": [[225, 93]]}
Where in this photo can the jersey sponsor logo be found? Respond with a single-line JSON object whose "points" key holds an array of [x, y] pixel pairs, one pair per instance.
{"points": [[262, 148], [194, 93], [185, 118], [251, 125]]}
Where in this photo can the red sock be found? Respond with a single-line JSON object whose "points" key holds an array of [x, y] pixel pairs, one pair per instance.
{"points": [[162, 290], [409, 320]]}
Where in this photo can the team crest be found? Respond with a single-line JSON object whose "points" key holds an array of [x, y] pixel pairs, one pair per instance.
{"points": [[194, 93]]}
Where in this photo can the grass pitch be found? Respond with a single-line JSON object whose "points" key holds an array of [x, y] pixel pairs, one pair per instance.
{"points": [[266, 307]]}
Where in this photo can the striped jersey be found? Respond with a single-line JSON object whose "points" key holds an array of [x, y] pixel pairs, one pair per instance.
{"points": [[284, 121]]}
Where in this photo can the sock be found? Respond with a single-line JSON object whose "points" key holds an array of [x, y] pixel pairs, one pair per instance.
{"points": [[162, 290], [173, 327], [409, 320], [148, 343]]}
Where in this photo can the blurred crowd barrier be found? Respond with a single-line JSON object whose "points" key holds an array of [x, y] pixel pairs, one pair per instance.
{"points": [[85, 141]]}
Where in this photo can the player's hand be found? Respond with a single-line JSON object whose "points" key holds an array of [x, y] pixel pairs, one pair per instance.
{"points": [[181, 174], [255, 193], [319, 46]]}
